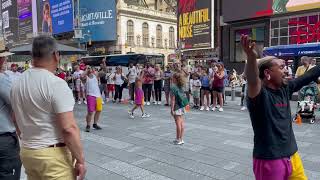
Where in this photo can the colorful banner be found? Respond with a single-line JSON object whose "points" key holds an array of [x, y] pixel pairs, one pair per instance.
{"points": [[285, 6], [235, 10], [195, 24]]}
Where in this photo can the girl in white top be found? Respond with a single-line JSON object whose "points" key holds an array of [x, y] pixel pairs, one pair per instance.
{"points": [[158, 76], [132, 76], [80, 89], [94, 100], [119, 80]]}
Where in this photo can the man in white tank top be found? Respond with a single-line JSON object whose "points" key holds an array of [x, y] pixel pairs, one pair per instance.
{"points": [[94, 99]]}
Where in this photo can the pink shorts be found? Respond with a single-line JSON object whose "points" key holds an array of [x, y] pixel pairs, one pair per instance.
{"points": [[94, 104], [290, 168]]}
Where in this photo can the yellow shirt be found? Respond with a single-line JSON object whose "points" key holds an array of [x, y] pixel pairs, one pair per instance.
{"points": [[302, 69]]}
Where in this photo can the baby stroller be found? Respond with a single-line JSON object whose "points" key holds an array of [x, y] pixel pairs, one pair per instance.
{"points": [[307, 104]]}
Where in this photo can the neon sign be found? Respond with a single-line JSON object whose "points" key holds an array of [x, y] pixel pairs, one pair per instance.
{"points": [[305, 32]]}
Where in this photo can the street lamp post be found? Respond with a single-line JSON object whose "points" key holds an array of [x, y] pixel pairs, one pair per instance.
{"points": [[89, 40]]}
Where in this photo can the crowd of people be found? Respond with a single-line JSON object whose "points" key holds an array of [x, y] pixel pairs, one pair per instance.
{"points": [[204, 86], [36, 108]]}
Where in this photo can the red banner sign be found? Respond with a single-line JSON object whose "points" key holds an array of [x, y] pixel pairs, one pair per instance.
{"points": [[302, 32]]}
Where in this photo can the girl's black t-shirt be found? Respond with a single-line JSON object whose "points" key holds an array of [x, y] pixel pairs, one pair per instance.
{"points": [[271, 119]]}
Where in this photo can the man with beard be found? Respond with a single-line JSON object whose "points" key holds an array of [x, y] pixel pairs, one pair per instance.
{"points": [[275, 152]]}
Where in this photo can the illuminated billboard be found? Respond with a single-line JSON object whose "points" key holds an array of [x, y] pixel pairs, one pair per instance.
{"points": [[284, 6], [55, 16], [195, 24], [99, 20], [10, 22], [235, 10]]}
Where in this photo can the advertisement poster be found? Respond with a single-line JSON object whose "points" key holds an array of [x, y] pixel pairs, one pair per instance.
{"points": [[61, 16], [25, 19], [284, 6], [10, 21], [195, 23], [234, 10], [44, 17], [98, 20], [55, 16]]}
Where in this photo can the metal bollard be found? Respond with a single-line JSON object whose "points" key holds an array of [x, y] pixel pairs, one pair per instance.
{"points": [[233, 94]]}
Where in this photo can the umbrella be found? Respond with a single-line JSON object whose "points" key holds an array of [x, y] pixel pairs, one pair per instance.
{"points": [[63, 50]]}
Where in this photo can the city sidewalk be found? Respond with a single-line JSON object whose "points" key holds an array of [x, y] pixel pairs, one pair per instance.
{"points": [[218, 145]]}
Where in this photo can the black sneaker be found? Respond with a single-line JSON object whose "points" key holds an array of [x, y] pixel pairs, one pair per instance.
{"points": [[87, 128], [95, 126]]}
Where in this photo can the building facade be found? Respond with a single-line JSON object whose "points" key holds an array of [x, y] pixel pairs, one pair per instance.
{"points": [[145, 30], [141, 28], [268, 23]]}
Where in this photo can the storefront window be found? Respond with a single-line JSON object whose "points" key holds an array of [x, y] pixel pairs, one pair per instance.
{"points": [[295, 30], [257, 35]]}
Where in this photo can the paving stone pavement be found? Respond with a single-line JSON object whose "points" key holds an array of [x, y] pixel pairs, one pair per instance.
{"points": [[218, 145]]}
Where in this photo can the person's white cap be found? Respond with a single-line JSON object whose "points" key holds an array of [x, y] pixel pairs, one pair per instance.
{"points": [[5, 54]]}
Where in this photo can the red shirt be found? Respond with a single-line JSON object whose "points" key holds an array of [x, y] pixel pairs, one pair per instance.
{"points": [[82, 66], [62, 75]]}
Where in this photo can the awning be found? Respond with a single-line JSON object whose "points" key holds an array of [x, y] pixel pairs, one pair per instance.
{"points": [[63, 50], [312, 49]]}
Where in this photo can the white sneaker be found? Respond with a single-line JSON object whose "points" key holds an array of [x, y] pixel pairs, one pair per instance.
{"points": [[145, 115], [85, 102], [131, 116], [154, 102], [182, 141], [207, 109], [243, 108], [202, 108], [213, 109], [102, 102], [179, 142], [148, 103], [79, 102], [218, 106], [159, 103], [220, 109]]}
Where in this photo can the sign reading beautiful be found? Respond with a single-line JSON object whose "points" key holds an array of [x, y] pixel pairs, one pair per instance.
{"points": [[195, 23]]}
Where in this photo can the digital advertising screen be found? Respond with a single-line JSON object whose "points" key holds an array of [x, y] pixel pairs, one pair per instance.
{"points": [[98, 20], [285, 6], [25, 19], [55, 16], [195, 23], [234, 10], [62, 16], [10, 21]]}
